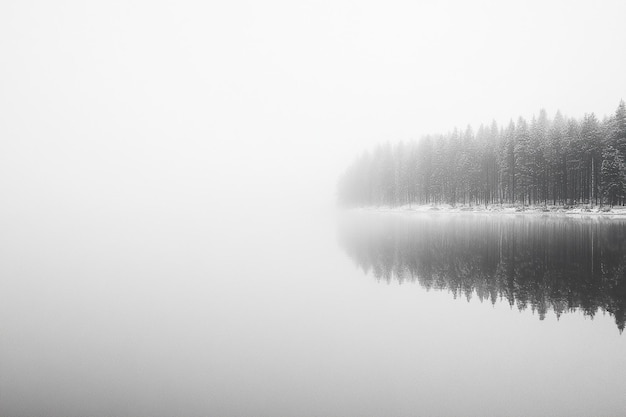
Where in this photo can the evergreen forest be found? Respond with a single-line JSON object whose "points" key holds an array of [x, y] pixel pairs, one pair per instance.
{"points": [[544, 161]]}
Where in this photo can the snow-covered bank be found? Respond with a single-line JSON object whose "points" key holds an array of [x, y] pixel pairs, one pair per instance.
{"points": [[585, 210]]}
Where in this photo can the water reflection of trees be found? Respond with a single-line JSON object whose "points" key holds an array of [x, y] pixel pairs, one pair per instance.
{"points": [[545, 263]]}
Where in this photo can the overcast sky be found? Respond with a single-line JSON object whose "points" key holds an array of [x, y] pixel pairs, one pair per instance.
{"points": [[147, 102]]}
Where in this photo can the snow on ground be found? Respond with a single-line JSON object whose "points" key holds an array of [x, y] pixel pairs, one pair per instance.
{"points": [[584, 210]]}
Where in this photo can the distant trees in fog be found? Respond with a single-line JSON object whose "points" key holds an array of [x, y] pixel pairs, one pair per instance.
{"points": [[544, 161]]}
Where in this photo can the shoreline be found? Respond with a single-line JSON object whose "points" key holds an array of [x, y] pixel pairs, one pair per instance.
{"points": [[577, 210]]}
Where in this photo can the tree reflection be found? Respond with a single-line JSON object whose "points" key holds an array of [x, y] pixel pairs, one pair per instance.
{"points": [[542, 262]]}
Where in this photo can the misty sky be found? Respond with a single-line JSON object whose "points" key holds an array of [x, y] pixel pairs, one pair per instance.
{"points": [[126, 104]]}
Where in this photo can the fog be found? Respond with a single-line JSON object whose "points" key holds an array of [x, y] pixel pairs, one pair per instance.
{"points": [[182, 103], [168, 176]]}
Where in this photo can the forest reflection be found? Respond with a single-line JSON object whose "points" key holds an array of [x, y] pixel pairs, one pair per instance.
{"points": [[539, 262]]}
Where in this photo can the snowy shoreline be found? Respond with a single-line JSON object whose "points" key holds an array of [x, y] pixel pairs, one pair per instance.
{"points": [[578, 210]]}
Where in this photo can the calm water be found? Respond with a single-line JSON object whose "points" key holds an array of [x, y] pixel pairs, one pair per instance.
{"points": [[311, 314], [543, 263]]}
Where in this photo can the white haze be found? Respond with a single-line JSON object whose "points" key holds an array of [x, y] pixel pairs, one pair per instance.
{"points": [[127, 104], [162, 168]]}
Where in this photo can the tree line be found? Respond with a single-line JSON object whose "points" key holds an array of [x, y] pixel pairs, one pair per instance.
{"points": [[558, 161]]}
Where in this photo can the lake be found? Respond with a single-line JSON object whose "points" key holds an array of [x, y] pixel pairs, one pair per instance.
{"points": [[311, 313]]}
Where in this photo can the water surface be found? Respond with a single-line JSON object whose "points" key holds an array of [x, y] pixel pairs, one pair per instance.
{"points": [[265, 313], [541, 262]]}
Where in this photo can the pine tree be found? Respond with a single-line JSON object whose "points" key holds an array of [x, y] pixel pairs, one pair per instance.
{"points": [[618, 136], [592, 149], [538, 133], [508, 163], [523, 161], [613, 180], [557, 158]]}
